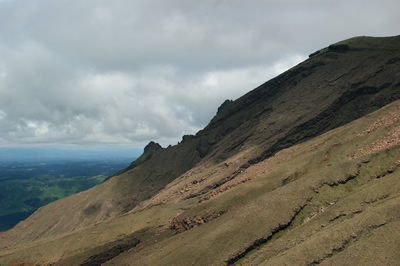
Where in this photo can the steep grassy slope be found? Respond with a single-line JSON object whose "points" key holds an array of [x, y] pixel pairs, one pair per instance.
{"points": [[233, 192], [339, 192], [109, 199]]}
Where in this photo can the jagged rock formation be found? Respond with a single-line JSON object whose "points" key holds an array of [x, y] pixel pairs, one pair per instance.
{"points": [[148, 152], [273, 174]]}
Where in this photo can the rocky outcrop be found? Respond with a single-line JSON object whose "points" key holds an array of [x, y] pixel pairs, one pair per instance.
{"points": [[181, 224], [149, 150], [340, 48], [152, 147]]}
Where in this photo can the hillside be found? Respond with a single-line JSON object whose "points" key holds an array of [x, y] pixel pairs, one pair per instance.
{"points": [[275, 173]]}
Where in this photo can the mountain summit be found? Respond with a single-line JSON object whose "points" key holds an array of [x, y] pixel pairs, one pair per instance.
{"points": [[308, 159]]}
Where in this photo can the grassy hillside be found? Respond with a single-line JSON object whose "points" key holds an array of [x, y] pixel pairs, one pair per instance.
{"points": [[280, 171], [339, 191]]}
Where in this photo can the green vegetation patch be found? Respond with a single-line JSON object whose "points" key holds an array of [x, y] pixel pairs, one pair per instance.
{"points": [[24, 187], [22, 197]]}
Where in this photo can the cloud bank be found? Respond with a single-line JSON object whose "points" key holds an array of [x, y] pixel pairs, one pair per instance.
{"points": [[125, 72]]}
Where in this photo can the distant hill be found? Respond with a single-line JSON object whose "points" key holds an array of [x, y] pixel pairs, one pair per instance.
{"points": [[302, 170]]}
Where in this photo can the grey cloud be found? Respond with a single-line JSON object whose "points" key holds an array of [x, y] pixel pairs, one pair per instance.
{"points": [[127, 72]]}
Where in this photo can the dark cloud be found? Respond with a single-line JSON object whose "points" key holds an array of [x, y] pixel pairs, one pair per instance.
{"points": [[127, 72]]}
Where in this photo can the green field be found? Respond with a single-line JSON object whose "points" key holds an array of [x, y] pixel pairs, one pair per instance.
{"points": [[24, 187]]}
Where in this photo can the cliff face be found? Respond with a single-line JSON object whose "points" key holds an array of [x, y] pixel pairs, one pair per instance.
{"points": [[241, 178]]}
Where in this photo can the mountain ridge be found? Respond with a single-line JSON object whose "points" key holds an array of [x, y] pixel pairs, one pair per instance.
{"points": [[193, 183]]}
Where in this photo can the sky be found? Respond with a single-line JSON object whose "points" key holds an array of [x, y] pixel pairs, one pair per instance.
{"points": [[126, 72]]}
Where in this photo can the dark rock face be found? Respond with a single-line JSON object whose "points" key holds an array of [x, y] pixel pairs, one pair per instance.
{"points": [[224, 106], [149, 151], [187, 137], [152, 147], [340, 48], [313, 54]]}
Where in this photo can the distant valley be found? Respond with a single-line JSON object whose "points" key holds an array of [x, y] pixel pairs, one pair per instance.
{"points": [[33, 177]]}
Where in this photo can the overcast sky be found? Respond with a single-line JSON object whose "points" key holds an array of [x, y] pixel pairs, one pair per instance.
{"points": [[125, 72]]}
